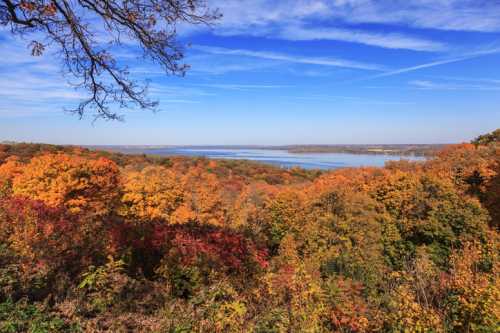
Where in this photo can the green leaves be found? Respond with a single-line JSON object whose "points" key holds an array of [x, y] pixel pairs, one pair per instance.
{"points": [[24, 317]]}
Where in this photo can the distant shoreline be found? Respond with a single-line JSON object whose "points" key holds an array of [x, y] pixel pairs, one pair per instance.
{"points": [[377, 149]]}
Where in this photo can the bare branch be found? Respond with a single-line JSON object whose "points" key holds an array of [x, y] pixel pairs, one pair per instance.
{"points": [[150, 23]]}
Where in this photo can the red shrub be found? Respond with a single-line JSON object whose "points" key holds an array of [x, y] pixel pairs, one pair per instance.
{"points": [[189, 245], [220, 248], [46, 238]]}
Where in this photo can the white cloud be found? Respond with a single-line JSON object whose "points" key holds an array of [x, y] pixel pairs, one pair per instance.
{"points": [[459, 58], [202, 64], [242, 86], [181, 101], [432, 85], [260, 13], [387, 40], [467, 79], [219, 69], [350, 100], [29, 81], [463, 15], [334, 62], [460, 15], [166, 92], [342, 20], [35, 85], [34, 94]]}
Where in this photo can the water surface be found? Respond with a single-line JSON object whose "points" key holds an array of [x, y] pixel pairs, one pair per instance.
{"points": [[283, 158]]}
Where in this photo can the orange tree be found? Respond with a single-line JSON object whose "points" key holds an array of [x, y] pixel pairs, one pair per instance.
{"points": [[151, 194], [75, 182]]}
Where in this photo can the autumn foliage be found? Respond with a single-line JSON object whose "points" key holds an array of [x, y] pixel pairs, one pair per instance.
{"points": [[76, 182], [104, 242], [43, 237]]}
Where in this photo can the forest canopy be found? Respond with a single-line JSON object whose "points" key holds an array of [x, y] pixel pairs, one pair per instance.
{"points": [[105, 242]]}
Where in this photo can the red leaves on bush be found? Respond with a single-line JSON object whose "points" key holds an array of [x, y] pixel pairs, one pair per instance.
{"points": [[42, 235], [191, 244], [350, 310], [219, 247]]}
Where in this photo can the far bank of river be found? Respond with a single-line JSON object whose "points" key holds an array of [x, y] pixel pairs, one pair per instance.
{"points": [[280, 158]]}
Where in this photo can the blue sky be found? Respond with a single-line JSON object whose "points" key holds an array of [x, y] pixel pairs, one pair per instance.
{"points": [[289, 72]]}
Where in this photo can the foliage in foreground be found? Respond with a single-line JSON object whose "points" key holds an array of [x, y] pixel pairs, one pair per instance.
{"points": [[94, 241]]}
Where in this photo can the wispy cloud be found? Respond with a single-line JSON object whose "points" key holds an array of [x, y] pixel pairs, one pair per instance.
{"points": [[463, 57], [242, 87], [334, 62], [181, 101], [350, 100], [31, 85], [385, 40], [34, 85], [243, 14], [213, 65], [177, 92], [466, 79], [247, 16], [433, 85], [296, 31], [459, 15], [291, 20], [345, 20]]}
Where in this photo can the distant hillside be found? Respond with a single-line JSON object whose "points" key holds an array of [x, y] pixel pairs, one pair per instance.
{"points": [[395, 149], [376, 149]]}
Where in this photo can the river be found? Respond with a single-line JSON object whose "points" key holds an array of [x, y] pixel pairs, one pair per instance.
{"points": [[281, 158]]}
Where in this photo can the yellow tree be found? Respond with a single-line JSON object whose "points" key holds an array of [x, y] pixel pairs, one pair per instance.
{"points": [[473, 303], [75, 182], [8, 171], [150, 194], [204, 201], [293, 294]]}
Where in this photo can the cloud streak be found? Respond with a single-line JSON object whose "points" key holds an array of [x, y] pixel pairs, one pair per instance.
{"points": [[454, 15], [345, 20], [432, 85], [464, 57], [331, 62], [384, 40], [242, 87], [349, 100], [246, 16]]}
